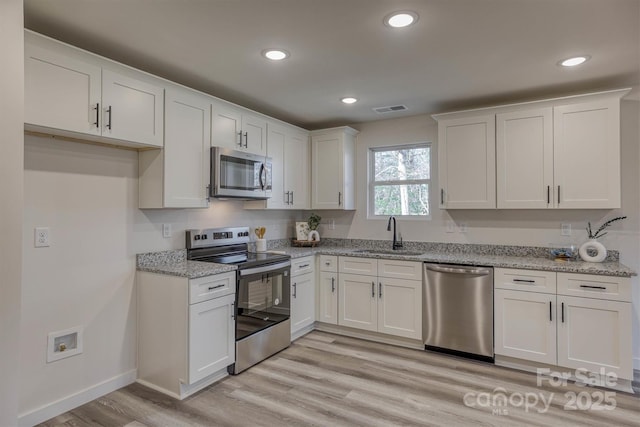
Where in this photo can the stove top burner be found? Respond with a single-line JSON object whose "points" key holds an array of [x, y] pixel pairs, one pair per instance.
{"points": [[227, 246]]}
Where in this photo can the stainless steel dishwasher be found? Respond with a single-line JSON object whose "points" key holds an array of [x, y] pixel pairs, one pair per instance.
{"points": [[457, 315]]}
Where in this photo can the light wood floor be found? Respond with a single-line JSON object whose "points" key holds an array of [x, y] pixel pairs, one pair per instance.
{"points": [[329, 380]]}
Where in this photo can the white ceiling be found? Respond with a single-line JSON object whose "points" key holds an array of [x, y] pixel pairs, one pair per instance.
{"points": [[460, 54]]}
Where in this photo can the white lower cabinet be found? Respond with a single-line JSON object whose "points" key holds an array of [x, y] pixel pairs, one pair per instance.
{"points": [[588, 329], [327, 290], [303, 294], [186, 331], [373, 302]]}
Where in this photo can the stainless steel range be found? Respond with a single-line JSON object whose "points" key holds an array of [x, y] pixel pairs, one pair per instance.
{"points": [[263, 305]]}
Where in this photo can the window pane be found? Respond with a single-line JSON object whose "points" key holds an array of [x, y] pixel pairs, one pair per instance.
{"points": [[401, 199], [398, 165]]}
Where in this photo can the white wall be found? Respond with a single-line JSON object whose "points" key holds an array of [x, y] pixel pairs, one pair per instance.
{"points": [[11, 147], [508, 227], [87, 195]]}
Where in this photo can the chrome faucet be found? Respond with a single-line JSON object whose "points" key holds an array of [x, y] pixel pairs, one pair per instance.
{"points": [[396, 245]]}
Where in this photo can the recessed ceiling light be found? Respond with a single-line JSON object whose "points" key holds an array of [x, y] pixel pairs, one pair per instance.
{"points": [[349, 100], [275, 54], [576, 60], [401, 19]]}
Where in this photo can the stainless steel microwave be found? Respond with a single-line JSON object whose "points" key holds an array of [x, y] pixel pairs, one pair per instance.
{"points": [[239, 175]]}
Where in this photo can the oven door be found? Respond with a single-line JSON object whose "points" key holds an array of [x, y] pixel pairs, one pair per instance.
{"points": [[236, 174], [263, 298]]}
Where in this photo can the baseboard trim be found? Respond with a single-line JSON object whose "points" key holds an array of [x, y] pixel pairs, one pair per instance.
{"points": [[370, 336], [302, 332], [74, 400]]}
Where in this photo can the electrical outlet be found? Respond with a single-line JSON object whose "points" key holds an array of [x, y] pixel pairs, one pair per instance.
{"points": [[166, 230], [41, 237], [451, 227], [462, 228], [332, 225], [565, 229]]}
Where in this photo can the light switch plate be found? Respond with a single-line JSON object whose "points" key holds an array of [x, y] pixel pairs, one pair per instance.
{"points": [[565, 229], [451, 227], [166, 230]]}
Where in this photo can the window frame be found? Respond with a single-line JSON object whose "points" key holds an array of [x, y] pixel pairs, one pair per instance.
{"points": [[371, 183]]}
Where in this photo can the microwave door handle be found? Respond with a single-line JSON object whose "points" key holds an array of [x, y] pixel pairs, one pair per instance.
{"points": [[263, 176]]}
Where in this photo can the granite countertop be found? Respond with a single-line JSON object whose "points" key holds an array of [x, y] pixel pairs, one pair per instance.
{"points": [[175, 263]]}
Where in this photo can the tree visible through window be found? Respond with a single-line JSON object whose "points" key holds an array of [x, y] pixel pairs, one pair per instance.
{"points": [[399, 180]]}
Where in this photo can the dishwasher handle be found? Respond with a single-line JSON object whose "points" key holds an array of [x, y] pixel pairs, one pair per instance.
{"points": [[458, 269]]}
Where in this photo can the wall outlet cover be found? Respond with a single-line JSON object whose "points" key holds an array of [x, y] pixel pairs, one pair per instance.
{"points": [[41, 237], [166, 230], [565, 229]]}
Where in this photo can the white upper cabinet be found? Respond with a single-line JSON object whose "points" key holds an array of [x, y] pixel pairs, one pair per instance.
{"points": [[237, 130], [132, 109], [61, 92], [466, 162], [333, 168], [561, 153], [77, 94], [524, 157], [586, 138], [178, 176], [288, 149]]}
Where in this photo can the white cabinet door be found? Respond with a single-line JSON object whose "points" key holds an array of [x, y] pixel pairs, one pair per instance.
{"points": [[226, 123], [587, 154], [254, 134], [132, 109], [327, 172], [296, 175], [524, 159], [358, 306], [302, 301], [467, 162], [276, 137], [60, 92], [400, 307], [333, 168], [525, 325], [186, 149], [211, 337], [595, 334], [328, 297]]}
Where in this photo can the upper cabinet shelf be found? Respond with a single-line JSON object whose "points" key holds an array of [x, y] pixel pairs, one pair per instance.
{"points": [[74, 93], [555, 154]]}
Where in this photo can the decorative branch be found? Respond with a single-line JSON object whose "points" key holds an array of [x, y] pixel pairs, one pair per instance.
{"points": [[597, 234]]}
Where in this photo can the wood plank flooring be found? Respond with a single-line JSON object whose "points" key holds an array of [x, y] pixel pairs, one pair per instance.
{"points": [[329, 380]]}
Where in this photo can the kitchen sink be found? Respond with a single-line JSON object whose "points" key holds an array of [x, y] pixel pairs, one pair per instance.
{"points": [[387, 252]]}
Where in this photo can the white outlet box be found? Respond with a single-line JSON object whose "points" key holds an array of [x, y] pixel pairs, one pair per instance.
{"points": [[166, 230], [565, 229], [451, 227], [333, 224], [462, 228], [41, 237]]}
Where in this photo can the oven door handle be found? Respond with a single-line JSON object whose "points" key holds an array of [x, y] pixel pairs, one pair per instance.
{"points": [[264, 268]]}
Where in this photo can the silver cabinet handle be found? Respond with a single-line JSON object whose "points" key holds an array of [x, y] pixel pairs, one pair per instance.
{"points": [[442, 196], [295, 286], [593, 287], [339, 198], [524, 281], [558, 194], [373, 289], [333, 285], [286, 196], [562, 312], [548, 194], [327, 263], [303, 266], [217, 287], [292, 197], [550, 312], [246, 139], [97, 123], [109, 112], [240, 137], [233, 310], [380, 289]]}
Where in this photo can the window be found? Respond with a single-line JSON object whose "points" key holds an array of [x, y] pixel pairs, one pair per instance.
{"points": [[399, 180]]}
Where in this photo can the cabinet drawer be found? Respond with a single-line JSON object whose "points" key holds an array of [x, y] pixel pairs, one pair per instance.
{"points": [[366, 266], [525, 280], [302, 266], [393, 268], [592, 286], [206, 288], [329, 263]]}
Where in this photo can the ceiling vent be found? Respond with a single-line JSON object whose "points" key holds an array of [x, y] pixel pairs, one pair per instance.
{"points": [[390, 109]]}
